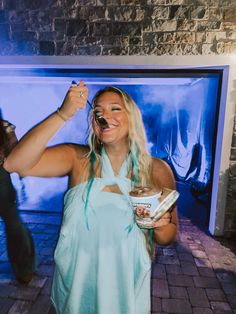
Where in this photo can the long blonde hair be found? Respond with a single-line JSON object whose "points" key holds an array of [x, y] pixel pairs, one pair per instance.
{"points": [[141, 160]]}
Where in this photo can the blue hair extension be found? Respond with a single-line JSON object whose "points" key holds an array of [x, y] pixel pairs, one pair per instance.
{"points": [[135, 164], [92, 162], [150, 240], [135, 159]]}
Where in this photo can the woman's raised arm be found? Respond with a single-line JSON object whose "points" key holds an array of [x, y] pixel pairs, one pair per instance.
{"points": [[31, 157]]}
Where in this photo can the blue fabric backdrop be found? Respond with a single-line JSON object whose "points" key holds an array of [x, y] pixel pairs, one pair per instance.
{"points": [[179, 116]]}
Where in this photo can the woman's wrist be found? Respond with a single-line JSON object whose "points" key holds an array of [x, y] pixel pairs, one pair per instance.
{"points": [[62, 115], [170, 224]]}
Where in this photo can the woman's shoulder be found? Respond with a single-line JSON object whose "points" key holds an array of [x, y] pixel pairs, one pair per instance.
{"points": [[159, 163], [162, 173]]}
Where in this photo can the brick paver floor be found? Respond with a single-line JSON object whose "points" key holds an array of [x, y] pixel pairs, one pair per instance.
{"points": [[197, 274]]}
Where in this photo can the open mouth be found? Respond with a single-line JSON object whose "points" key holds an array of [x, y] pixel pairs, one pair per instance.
{"points": [[109, 127], [102, 122]]}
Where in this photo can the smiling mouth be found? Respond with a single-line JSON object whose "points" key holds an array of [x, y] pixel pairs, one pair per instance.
{"points": [[104, 125], [108, 129], [102, 122]]}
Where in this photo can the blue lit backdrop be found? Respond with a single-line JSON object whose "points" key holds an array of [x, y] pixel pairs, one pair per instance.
{"points": [[179, 114]]}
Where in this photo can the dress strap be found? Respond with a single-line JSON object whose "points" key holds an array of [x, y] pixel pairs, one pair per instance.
{"points": [[107, 171], [108, 176]]}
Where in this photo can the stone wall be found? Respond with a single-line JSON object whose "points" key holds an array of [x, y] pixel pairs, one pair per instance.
{"points": [[123, 27], [117, 27], [230, 216]]}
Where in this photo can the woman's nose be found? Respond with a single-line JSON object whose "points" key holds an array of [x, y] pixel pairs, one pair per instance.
{"points": [[106, 114]]}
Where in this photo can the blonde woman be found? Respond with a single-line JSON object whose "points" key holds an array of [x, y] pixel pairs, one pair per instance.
{"points": [[102, 262]]}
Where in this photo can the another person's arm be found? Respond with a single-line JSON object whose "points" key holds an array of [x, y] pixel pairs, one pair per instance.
{"points": [[32, 157], [10, 136], [8, 139]]}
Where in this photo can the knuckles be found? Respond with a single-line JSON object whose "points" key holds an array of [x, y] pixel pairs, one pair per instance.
{"points": [[73, 100]]}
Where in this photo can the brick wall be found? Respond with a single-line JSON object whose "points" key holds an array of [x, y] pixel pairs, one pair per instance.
{"points": [[123, 27]]}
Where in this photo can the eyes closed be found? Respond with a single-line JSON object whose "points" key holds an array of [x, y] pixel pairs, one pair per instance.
{"points": [[98, 111]]}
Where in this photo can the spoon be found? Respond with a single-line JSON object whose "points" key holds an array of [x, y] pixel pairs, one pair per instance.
{"points": [[99, 119]]}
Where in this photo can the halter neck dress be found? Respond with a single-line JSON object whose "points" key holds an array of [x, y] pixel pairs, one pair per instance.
{"points": [[103, 269]]}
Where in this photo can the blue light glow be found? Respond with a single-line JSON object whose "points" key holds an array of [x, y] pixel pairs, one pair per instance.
{"points": [[179, 115]]}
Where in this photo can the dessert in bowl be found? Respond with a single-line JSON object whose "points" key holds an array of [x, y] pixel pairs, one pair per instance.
{"points": [[156, 201], [146, 197]]}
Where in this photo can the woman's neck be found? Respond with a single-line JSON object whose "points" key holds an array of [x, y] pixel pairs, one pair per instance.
{"points": [[116, 156]]}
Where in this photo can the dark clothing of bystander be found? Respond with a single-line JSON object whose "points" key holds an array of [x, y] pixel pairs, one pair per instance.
{"points": [[20, 246]]}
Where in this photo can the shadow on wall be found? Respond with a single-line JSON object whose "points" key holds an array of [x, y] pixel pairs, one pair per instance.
{"points": [[195, 203]]}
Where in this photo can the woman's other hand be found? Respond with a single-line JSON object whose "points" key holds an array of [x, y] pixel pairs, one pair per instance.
{"points": [[163, 221], [165, 229], [75, 99]]}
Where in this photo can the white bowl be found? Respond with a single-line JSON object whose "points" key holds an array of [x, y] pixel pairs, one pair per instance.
{"points": [[148, 202], [158, 204]]}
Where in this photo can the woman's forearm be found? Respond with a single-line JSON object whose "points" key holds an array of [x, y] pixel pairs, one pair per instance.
{"points": [[30, 148], [166, 234]]}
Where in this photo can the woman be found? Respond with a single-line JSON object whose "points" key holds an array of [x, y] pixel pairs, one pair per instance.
{"points": [[102, 262]]}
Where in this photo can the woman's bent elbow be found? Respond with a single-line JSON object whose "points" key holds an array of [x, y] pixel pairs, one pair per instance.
{"points": [[9, 167]]}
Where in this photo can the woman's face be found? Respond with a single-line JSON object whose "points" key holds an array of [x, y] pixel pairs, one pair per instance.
{"points": [[111, 107]]}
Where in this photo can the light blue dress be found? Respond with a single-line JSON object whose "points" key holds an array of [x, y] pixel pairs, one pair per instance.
{"points": [[104, 269]]}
